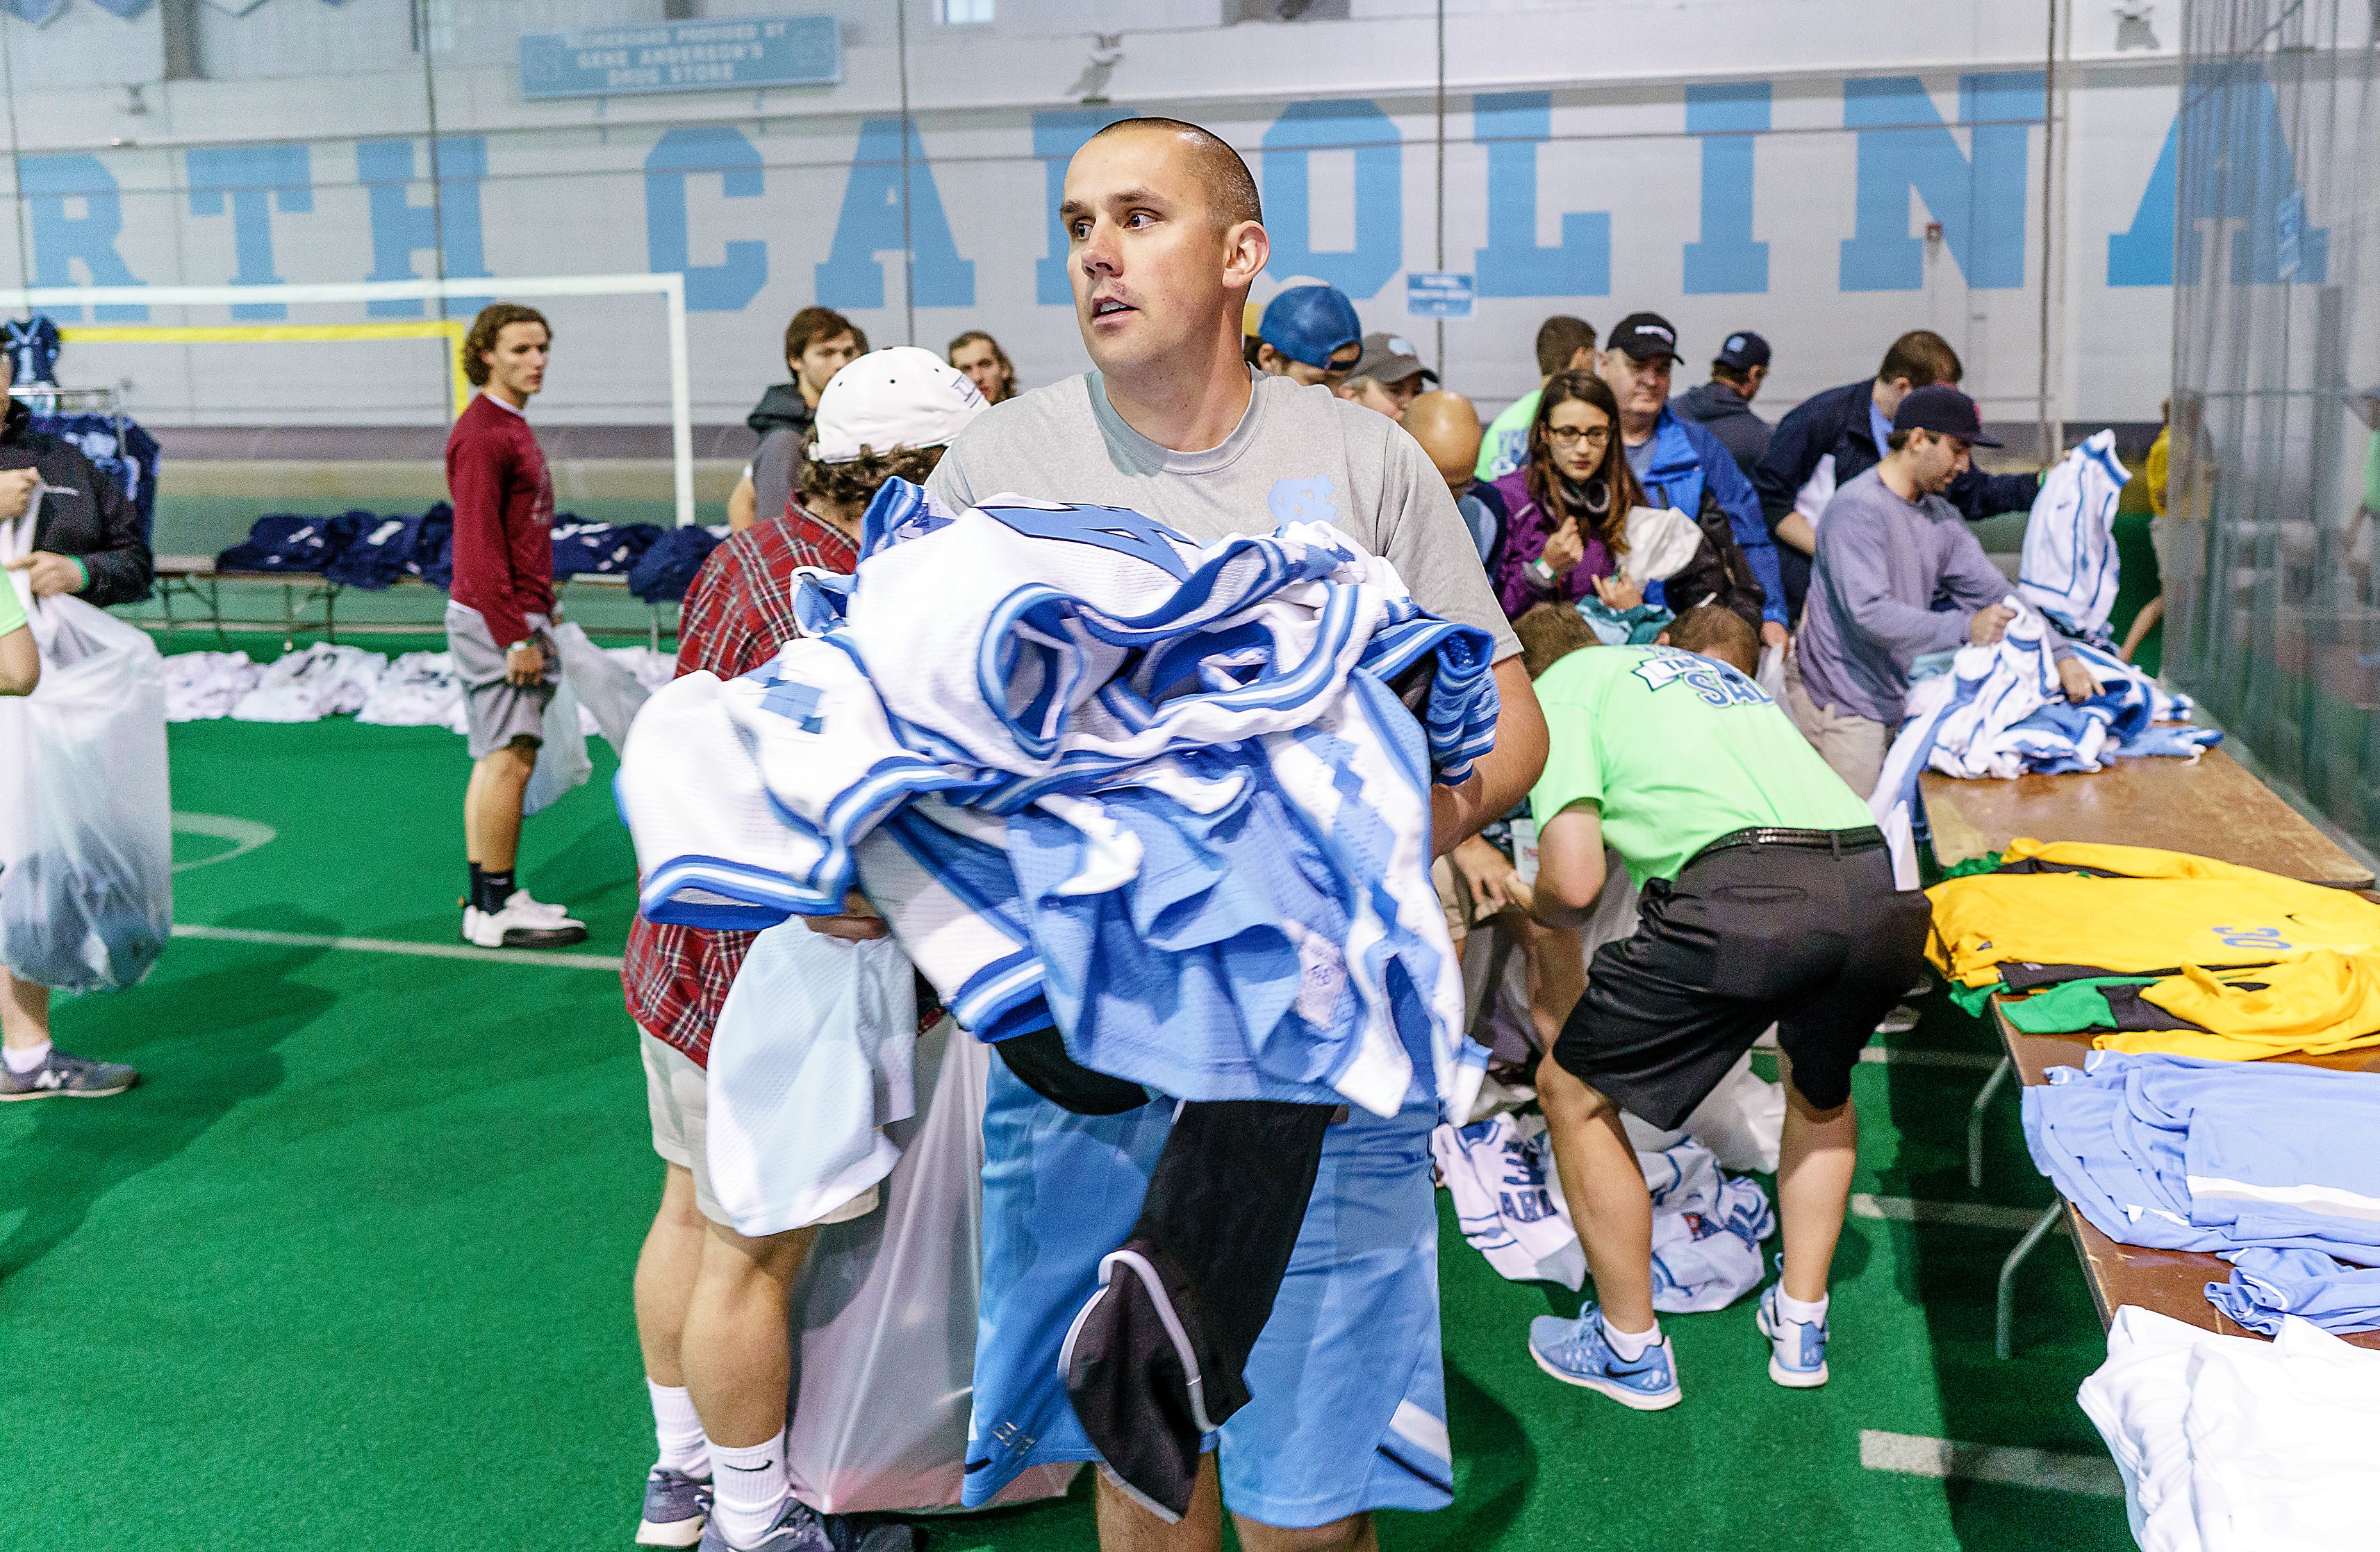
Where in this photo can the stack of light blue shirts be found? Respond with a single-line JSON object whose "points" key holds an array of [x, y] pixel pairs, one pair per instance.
{"points": [[2269, 1165]]}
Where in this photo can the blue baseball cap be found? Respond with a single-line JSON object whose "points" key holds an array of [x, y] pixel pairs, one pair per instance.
{"points": [[1743, 351], [1310, 324]]}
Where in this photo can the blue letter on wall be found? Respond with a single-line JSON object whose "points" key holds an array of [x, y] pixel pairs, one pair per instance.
{"points": [[1379, 250], [1979, 199], [401, 229], [1512, 124], [735, 280], [2226, 160], [1056, 137], [1726, 260], [251, 180], [60, 239], [870, 225]]}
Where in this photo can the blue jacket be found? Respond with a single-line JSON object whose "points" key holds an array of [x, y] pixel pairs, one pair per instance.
{"points": [[1686, 456], [1837, 423]]}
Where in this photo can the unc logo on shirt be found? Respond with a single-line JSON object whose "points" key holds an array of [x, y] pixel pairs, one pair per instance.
{"points": [[793, 700], [1302, 501], [1110, 527], [2265, 938], [1718, 684]]}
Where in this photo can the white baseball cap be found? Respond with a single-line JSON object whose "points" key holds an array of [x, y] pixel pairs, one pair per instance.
{"points": [[900, 396]]}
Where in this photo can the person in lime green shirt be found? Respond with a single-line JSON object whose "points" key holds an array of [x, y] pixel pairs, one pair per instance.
{"points": [[1564, 344], [20, 660], [1768, 898]]}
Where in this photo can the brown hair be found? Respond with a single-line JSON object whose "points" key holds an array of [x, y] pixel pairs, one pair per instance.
{"points": [[1550, 632], [1716, 632], [1230, 189], [1560, 338], [1007, 367], [853, 482], [485, 330], [814, 323], [1924, 357], [1587, 388]]}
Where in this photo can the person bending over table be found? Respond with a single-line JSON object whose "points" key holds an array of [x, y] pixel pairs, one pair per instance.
{"points": [[1768, 898]]}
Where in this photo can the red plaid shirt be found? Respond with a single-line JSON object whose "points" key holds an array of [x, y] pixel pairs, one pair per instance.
{"points": [[738, 612]]}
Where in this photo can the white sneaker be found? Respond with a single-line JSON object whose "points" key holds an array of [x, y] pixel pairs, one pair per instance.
{"points": [[513, 928], [539, 910], [1901, 1020]]}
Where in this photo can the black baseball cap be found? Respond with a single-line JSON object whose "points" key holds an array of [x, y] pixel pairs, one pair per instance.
{"points": [[1742, 351], [1645, 336], [1941, 409]]}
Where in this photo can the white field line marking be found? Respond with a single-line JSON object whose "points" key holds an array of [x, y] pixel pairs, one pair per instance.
{"points": [[395, 946], [1916, 1455], [1961, 1214]]}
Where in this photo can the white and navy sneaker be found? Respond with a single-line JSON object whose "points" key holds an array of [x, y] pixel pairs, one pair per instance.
{"points": [[1577, 1352], [514, 927], [800, 1528], [1797, 1349], [67, 1077], [676, 1506]]}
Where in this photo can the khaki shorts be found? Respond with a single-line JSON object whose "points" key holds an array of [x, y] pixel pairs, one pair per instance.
{"points": [[676, 1092]]}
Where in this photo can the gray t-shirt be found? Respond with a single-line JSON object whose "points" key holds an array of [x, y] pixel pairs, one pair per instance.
{"points": [[1299, 454], [771, 470], [1640, 456]]}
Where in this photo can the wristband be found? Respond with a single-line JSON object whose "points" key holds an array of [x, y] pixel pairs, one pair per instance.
{"points": [[81, 570], [1540, 572]]}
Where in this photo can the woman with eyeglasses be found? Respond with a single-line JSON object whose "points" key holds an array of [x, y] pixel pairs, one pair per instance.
{"points": [[1582, 527]]}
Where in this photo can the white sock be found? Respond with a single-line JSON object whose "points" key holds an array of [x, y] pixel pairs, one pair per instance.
{"points": [[1795, 1310], [29, 1059], [1630, 1345], [748, 1488], [680, 1431]]}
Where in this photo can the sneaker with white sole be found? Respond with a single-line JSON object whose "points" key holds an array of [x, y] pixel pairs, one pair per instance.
{"points": [[1577, 1352], [1901, 1020], [515, 928], [557, 915], [676, 1506], [1797, 1349], [67, 1077], [800, 1528]]}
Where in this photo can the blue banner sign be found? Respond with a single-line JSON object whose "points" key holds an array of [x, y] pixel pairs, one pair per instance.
{"points": [[1437, 294], [746, 52]]}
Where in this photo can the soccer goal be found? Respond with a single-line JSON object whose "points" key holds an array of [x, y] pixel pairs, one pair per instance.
{"points": [[669, 288]]}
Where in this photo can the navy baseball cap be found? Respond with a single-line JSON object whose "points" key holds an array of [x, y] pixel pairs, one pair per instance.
{"points": [[1643, 336], [1310, 324], [1742, 351], [1941, 409]]}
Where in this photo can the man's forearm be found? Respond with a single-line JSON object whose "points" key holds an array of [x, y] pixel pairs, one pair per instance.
{"points": [[1503, 776], [1794, 530]]}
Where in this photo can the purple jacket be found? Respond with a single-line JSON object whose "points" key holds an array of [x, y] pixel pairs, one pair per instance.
{"points": [[1524, 539]]}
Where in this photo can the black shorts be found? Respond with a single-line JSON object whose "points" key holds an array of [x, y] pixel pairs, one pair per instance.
{"points": [[1820, 945]]}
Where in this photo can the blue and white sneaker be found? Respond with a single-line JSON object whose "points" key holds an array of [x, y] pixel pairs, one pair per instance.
{"points": [[1577, 1352], [1797, 1349], [676, 1506], [800, 1528]]}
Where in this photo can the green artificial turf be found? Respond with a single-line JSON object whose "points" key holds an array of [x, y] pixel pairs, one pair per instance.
{"points": [[350, 1270]]}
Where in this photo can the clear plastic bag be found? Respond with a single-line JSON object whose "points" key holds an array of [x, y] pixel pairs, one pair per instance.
{"points": [[600, 683], [86, 837], [561, 761], [884, 1315]]}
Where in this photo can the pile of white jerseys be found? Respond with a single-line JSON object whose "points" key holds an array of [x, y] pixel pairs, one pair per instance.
{"points": [[2233, 1444], [418, 689]]}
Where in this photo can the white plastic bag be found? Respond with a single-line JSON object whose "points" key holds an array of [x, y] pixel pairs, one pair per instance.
{"points": [[561, 761], [605, 686], [1770, 674], [85, 837], [811, 1055], [883, 1317]]}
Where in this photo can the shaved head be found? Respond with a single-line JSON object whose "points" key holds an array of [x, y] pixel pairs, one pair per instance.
{"points": [[1230, 188], [1448, 428]]}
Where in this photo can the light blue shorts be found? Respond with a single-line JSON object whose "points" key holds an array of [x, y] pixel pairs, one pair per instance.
{"points": [[1349, 1408]]}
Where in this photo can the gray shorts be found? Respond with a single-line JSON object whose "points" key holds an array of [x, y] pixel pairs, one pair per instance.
{"points": [[677, 1093], [497, 712]]}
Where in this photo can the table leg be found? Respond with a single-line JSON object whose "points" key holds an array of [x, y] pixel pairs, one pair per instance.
{"points": [[1992, 1086], [2004, 1317]]}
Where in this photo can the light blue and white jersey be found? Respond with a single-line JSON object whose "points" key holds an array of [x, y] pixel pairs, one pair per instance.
{"points": [[2070, 565]]}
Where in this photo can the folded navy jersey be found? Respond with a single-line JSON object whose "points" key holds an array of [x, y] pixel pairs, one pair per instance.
{"points": [[287, 542], [379, 553], [663, 573], [599, 549]]}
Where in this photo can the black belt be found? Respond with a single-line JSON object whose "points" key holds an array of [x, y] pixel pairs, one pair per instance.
{"points": [[1841, 843]]}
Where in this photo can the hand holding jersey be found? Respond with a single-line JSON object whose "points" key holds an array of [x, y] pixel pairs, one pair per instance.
{"points": [[1768, 898]]}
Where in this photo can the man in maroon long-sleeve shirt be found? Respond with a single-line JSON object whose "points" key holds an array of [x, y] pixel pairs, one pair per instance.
{"points": [[499, 611]]}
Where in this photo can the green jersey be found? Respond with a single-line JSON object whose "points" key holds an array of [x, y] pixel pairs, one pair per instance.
{"points": [[12, 608], [1678, 751], [1504, 446]]}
